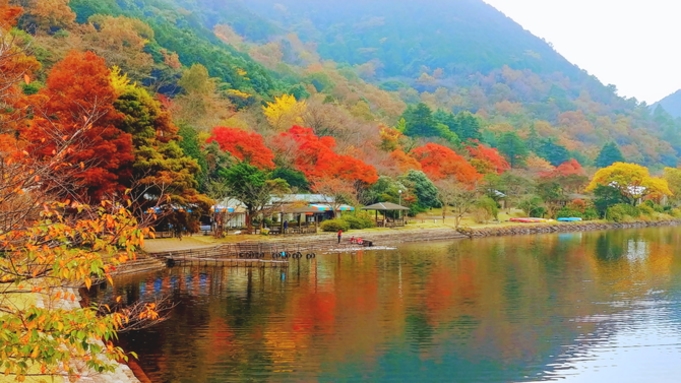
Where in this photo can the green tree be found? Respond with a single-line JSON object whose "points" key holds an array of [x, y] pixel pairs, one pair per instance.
{"points": [[191, 146], [294, 178], [419, 122], [252, 187], [467, 126], [533, 140], [552, 194], [605, 197], [533, 206], [513, 148], [554, 153], [161, 174], [424, 190], [514, 186], [609, 154]]}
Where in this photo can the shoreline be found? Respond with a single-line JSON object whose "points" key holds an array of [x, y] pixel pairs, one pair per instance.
{"points": [[563, 227], [328, 242]]}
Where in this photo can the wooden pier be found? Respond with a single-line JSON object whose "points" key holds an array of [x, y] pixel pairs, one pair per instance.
{"points": [[245, 254], [224, 262]]}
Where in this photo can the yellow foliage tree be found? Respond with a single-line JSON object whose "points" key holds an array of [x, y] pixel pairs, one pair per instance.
{"points": [[285, 112], [632, 181], [673, 178], [47, 14]]}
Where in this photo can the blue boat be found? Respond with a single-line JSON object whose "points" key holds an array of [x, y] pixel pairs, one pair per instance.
{"points": [[569, 219]]}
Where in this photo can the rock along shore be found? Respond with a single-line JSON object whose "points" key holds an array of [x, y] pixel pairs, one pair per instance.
{"points": [[560, 227], [122, 374]]}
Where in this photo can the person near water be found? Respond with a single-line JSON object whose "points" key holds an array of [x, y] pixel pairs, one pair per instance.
{"points": [[340, 234]]}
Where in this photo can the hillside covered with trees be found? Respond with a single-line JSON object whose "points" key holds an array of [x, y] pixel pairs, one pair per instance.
{"points": [[357, 100]]}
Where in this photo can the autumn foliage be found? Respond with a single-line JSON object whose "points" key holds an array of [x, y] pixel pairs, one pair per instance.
{"points": [[8, 14], [403, 161], [315, 157], [568, 168], [440, 162], [489, 158], [75, 113], [246, 146]]}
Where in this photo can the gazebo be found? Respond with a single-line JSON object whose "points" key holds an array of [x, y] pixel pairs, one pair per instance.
{"points": [[386, 206]]}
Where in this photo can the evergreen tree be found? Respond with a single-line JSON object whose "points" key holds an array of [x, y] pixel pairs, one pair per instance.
{"points": [[533, 139], [554, 153], [513, 148], [423, 188], [420, 122], [467, 127], [609, 154]]}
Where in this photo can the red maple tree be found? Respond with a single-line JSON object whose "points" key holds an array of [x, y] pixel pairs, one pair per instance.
{"points": [[74, 128], [567, 168], [243, 145], [315, 157], [440, 162], [489, 158]]}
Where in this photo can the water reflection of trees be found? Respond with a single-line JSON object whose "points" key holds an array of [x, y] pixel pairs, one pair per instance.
{"points": [[502, 307]]}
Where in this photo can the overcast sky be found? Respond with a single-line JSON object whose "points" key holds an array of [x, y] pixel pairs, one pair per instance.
{"points": [[632, 44]]}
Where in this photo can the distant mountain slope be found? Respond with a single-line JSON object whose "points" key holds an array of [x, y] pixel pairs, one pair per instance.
{"points": [[457, 36], [671, 104]]}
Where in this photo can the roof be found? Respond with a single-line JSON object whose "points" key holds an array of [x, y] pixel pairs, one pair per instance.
{"points": [[385, 206], [309, 198]]}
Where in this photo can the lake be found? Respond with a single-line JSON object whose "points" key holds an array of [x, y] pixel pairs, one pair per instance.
{"points": [[583, 307]]}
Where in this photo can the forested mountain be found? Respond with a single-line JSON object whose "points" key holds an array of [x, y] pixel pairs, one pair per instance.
{"points": [[454, 56], [349, 96], [461, 37], [671, 104]]}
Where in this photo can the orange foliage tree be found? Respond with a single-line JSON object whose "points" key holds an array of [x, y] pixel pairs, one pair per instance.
{"points": [[249, 147], [488, 159], [403, 161], [315, 157], [75, 113], [440, 162], [49, 248], [569, 175]]}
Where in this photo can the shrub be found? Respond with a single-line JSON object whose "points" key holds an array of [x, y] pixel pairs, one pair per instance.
{"points": [[656, 207], [646, 209], [359, 220], [622, 212], [532, 206], [335, 225], [480, 215], [489, 205], [590, 214]]}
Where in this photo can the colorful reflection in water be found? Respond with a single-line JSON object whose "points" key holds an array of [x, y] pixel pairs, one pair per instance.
{"points": [[590, 307]]}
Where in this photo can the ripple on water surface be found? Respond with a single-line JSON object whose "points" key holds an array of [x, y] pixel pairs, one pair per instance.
{"points": [[593, 307]]}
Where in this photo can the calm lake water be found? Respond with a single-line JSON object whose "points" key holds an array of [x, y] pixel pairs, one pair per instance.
{"points": [[589, 307]]}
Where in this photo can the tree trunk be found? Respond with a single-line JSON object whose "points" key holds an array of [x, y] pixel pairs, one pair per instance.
{"points": [[249, 221]]}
